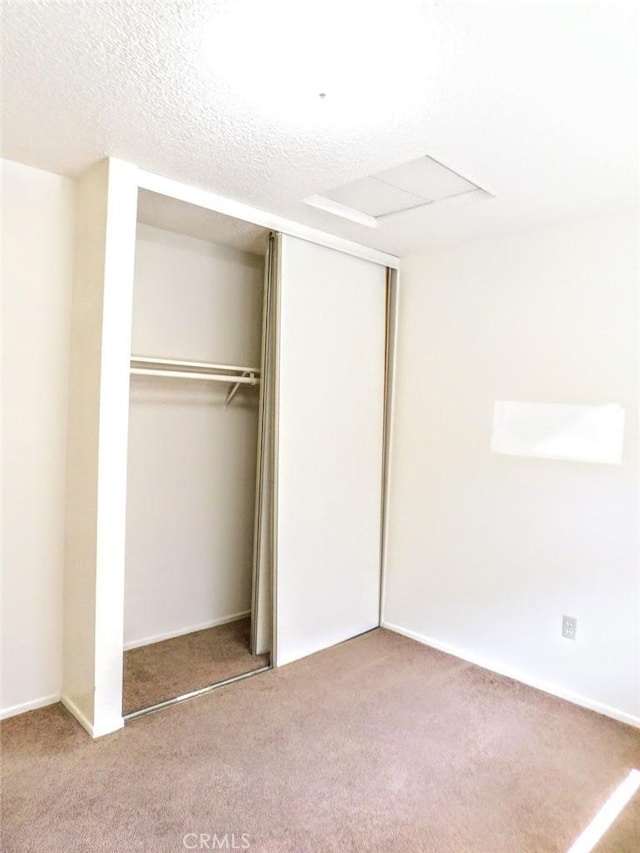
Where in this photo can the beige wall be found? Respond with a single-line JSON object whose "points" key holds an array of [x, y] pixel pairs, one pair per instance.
{"points": [[37, 267], [488, 552]]}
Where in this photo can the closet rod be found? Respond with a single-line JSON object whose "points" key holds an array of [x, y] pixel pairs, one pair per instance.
{"points": [[146, 361], [185, 374]]}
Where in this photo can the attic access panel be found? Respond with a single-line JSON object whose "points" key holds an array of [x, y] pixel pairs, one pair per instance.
{"points": [[410, 185]]}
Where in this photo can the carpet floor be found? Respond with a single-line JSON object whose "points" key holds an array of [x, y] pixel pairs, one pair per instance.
{"points": [[378, 744], [174, 667]]}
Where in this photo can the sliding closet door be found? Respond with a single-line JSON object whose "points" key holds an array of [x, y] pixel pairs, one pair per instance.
{"points": [[331, 365], [262, 599]]}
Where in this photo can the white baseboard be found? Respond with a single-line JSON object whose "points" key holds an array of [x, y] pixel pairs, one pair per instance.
{"points": [[169, 635], [73, 709], [518, 675], [32, 705], [113, 725]]}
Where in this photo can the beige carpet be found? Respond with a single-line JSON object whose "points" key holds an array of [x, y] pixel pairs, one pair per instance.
{"points": [[174, 667], [378, 744]]}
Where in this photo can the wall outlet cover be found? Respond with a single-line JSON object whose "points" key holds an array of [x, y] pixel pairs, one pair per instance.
{"points": [[569, 627]]}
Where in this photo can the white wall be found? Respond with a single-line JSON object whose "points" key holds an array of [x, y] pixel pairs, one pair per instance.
{"points": [[192, 463], [37, 271], [487, 552]]}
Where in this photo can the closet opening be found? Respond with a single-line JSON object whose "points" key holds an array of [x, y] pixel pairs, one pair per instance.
{"points": [[197, 605]]}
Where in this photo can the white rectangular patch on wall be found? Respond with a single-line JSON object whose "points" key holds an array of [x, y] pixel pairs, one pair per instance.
{"points": [[559, 431]]}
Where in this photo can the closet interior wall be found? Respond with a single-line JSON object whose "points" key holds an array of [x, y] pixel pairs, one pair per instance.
{"points": [[191, 458]]}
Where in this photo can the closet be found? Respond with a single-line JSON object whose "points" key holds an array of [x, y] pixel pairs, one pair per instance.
{"points": [[196, 345], [230, 400]]}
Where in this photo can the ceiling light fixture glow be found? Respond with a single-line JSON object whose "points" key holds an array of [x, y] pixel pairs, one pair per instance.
{"points": [[278, 56]]}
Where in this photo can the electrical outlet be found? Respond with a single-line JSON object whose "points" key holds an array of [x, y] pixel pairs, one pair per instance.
{"points": [[569, 626]]}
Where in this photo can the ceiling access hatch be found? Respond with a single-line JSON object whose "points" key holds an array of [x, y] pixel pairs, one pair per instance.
{"points": [[405, 187]]}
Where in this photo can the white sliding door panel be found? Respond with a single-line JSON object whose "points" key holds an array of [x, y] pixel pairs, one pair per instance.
{"points": [[330, 446]]}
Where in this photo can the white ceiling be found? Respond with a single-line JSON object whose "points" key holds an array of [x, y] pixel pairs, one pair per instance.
{"points": [[537, 102]]}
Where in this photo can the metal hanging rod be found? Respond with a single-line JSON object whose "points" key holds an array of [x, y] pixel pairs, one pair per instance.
{"points": [[245, 379], [202, 370], [164, 364], [231, 374]]}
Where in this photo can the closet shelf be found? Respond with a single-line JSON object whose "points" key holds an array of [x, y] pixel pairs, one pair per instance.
{"points": [[203, 370]]}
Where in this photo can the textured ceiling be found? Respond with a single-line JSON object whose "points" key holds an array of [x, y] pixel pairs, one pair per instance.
{"points": [[536, 102]]}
